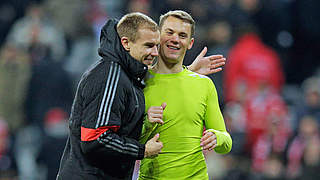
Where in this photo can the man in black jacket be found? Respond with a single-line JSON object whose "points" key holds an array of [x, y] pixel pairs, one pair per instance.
{"points": [[108, 110], [107, 113]]}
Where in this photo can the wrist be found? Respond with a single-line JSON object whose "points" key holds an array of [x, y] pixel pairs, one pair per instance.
{"points": [[146, 153], [142, 151]]}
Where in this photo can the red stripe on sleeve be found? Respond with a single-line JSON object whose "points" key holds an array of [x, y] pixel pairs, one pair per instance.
{"points": [[88, 134]]}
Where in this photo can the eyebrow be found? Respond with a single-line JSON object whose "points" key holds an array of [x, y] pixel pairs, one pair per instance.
{"points": [[180, 33]]}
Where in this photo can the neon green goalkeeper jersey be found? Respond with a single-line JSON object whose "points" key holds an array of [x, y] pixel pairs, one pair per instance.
{"points": [[192, 104]]}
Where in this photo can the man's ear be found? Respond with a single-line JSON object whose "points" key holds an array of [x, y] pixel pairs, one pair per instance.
{"points": [[125, 43], [191, 43]]}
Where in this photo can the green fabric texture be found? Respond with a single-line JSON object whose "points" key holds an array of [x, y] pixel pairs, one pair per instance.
{"points": [[192, 104]]}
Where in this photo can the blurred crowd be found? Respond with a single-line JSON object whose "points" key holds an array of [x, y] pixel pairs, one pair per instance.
{"points": [[269, 90]]}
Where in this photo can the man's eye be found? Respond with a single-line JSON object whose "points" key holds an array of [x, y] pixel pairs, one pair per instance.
{"points": [[183, 36]]}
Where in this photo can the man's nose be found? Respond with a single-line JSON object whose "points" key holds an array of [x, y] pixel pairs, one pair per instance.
{"points": [[175, 38], [155, 51]]}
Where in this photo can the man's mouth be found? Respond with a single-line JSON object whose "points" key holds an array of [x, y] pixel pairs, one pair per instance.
{"points": [[173, 47], [149, 60]]}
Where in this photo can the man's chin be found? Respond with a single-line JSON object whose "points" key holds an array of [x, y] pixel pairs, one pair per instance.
{"points": [[150, 66], [172, 59], [172, 56]]}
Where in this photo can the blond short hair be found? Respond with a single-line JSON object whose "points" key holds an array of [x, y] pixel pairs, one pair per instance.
{"points": [[129, 25], [184, 16]]}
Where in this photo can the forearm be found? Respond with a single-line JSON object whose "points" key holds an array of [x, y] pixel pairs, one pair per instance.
{"points": [[111, 144]]}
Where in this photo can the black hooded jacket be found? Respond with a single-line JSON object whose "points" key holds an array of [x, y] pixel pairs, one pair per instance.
{"points": [[107, 116]]}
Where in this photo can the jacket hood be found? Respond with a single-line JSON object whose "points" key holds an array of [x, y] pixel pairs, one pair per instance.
{"points": [[111, 49]]}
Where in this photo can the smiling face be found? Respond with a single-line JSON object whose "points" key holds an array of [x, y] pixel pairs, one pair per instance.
{"points": [[175, 39], [145, 47], [140, 36]]}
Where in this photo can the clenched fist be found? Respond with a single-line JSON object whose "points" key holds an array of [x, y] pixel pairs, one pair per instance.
{"points": [[155, 113], [153, 147]]}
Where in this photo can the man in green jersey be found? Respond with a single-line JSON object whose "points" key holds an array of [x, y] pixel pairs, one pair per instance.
{"points": [[180, 105]]}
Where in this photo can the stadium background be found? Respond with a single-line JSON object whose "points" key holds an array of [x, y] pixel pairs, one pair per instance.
{"points": [[269, 90]]}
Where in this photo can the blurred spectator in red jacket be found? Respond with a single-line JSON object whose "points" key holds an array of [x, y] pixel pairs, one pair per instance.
{"points": [[251, 62], [268, 130], [267, 120]]}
